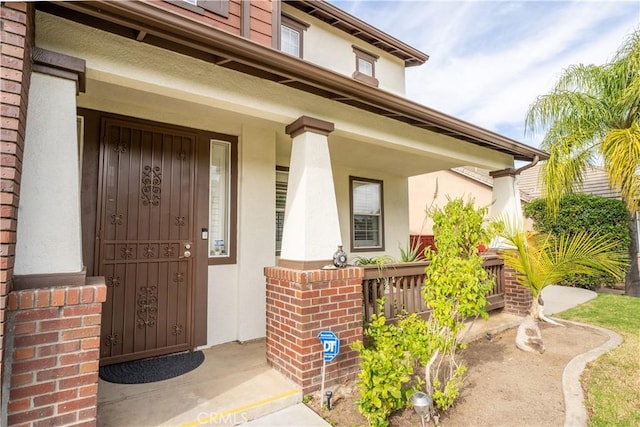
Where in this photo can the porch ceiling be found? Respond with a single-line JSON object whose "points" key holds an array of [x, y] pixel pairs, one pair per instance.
{"points": [[147, 23]]}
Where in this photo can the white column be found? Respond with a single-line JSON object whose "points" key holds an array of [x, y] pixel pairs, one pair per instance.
{"points": [[311, 227], [49, 233]]}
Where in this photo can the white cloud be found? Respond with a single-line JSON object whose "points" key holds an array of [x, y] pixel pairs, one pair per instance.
{"points": [[490, 59]]}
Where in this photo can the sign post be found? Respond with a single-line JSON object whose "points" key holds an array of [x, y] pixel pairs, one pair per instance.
{"points": [[330, 349]]}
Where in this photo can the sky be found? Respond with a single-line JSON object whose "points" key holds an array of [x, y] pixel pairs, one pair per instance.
{"points": [[489, 60]]}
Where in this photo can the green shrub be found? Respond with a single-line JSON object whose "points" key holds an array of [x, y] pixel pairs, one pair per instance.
{"points": [[584, 212], [386, 369]]}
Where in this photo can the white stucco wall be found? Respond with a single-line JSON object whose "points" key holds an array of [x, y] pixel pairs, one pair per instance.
{"points": [[396, 218], [331, 48], [134, 79], [49, 233]]}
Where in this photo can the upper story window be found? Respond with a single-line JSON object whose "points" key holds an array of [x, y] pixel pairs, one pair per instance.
{"points": [[291, 35], [367, 220], [219, 7], [365, 66]]}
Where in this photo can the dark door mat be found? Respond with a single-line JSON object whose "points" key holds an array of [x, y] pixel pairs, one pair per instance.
{"points": [[151, 370]]}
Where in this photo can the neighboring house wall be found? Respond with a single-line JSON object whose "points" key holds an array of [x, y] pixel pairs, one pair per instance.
{"points": [[433, 191]]}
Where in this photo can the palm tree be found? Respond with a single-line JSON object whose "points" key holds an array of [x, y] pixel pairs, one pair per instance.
{"points": [[542, 260], [593, 114]]}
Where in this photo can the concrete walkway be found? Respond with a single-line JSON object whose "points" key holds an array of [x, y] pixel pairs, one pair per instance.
{"points": [[560, 298]]}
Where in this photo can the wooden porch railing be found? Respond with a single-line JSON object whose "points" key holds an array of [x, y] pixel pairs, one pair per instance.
{"points": [[401, 284]]}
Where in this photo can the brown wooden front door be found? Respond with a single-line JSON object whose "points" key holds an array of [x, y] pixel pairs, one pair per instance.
{"points": [[146, 207]]}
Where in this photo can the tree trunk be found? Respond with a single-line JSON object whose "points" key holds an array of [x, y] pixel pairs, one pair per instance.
{"points": [[632, 279]]}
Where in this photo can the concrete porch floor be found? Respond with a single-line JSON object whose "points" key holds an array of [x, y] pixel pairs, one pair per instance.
{"points": [[233, 385]]}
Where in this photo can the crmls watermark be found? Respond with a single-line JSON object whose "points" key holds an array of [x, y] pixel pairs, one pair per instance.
{"points": [[221, 419]]}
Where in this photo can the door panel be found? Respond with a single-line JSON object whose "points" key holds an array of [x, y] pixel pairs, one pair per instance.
{"points": [[145, 239]]}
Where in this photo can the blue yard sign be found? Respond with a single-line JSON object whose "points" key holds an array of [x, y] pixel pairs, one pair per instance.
{"points": [[330, 344]]}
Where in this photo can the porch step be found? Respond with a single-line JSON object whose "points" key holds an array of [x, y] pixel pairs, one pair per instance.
{"points": [[233, 386]]}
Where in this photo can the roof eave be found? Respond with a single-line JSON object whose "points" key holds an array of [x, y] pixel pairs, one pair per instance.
{"points": [[186, 36]]}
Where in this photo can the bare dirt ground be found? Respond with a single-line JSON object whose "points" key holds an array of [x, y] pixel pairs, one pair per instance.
{"points": [[504, 386]]}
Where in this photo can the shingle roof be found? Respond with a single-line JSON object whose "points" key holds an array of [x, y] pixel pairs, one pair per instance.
{"points": [[594, 181]]}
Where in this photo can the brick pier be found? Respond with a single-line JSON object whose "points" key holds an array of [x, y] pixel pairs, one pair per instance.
{"points": [[300, 304]]}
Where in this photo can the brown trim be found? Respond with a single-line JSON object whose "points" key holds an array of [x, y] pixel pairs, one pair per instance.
{"points": [[367, 57], [245, 19], [308, 124], [503, 172], [190, 37], [276, 19], [351, 229], [49, 280], [353, 26], [303, 265], [219, 7], [60, 65], [294, 22]]}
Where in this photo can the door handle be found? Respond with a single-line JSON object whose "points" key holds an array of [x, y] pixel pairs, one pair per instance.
{"points": [[187, 251]]}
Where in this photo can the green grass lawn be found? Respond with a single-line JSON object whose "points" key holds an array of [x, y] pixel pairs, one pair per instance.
{"points": [[612, 382]]}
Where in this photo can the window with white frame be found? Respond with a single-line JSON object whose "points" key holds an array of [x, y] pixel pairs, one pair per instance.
{"points": [[367, 214], [291, 36], [282, 180], [221, 200]]}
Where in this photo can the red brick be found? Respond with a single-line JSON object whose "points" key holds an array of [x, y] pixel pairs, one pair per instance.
{"points": [[93, 319], [88, 413], [88, 367], [19, 380], [87, 295], [43, 298], [55, 373], [86, 332], [80, 310], [56, 397], [78, 381], [36, 339], [58, 420], [75, 358], [9, 74], [89, 343], [73, 296], [26, 301], [58, 297], [37, 314], [60, 324], [32, 365], [27, 416], [24, 328], [24, 353], [33, 390], [58, 348], [19, 405], [89, 390], [74, 405]]}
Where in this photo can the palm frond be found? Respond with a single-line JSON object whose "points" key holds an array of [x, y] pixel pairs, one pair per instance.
{"points": [[541, 260]]}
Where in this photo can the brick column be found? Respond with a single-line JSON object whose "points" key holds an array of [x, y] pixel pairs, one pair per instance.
{"points": [[15, 77], [300, 304], [517, 299], [54, 339]]}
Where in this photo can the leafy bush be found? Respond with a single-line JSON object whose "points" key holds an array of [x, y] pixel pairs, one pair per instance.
{"points": [[583, 212], [455, 288], [386, 368]]}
